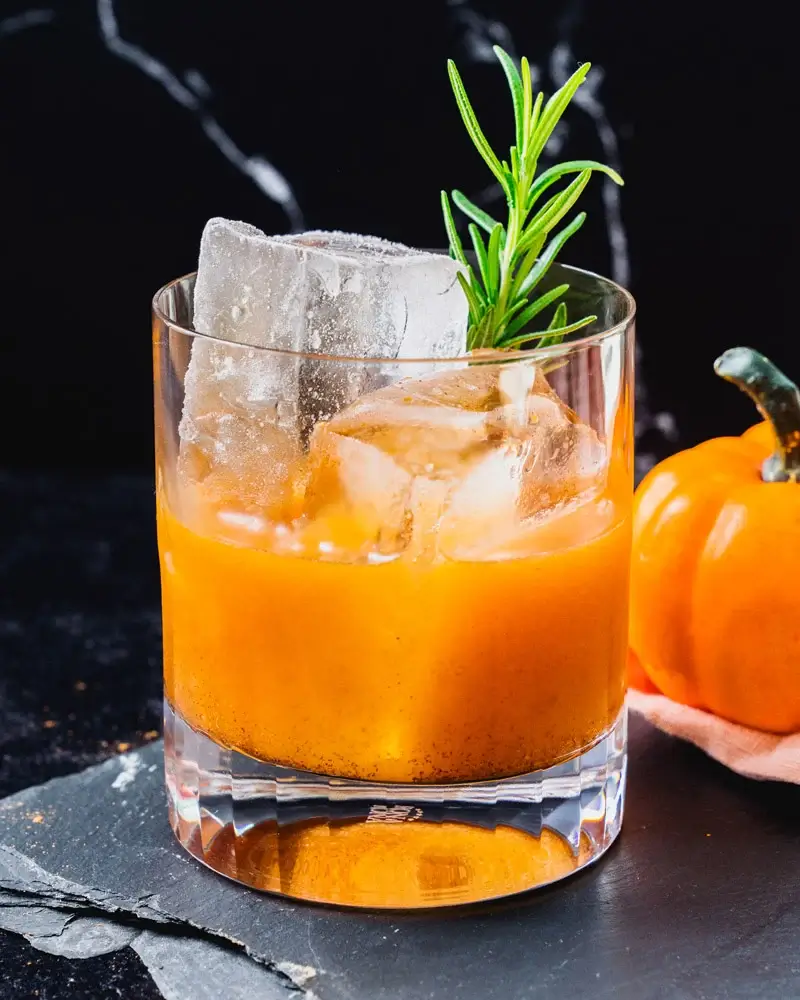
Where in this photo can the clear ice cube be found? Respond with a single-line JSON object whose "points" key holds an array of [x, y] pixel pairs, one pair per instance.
{"points": [[238, 435], [454, 463], [327, 293], [330, 293]]}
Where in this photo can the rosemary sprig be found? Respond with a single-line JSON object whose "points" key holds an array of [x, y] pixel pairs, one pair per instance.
{"points": [[515, 257]]}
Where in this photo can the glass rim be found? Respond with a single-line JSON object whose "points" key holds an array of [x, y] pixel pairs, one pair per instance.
{"points": [[487, 356]]}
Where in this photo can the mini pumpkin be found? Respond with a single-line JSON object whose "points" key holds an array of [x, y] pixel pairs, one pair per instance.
{"points": [[715, 579]]}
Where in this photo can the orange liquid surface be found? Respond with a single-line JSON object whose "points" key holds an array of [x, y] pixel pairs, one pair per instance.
{"points": [[402, 671]]}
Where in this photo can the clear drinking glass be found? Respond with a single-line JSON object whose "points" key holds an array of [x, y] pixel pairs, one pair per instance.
{"points": [[395, 605]]}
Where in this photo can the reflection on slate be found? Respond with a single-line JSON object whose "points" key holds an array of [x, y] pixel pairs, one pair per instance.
{"points": [[87, 864]]}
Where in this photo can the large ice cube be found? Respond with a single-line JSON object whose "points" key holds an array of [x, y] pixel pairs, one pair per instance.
{"points": [[327, 293], [238, 434], [452, 463]]}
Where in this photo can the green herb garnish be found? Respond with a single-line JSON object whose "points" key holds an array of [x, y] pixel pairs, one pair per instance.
{"points": [[516, 257]]}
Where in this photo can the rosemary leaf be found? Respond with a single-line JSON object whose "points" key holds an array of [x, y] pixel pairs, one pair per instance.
{"points": [[515, 86], [484, 220], [527, 103], [551, 337], [512, 312], [555, 108], [536, 113], [533, 310], [527, 262], [483, 262], [555, 173], [475, 311], [473, 128], [475, 285], [555, 210], [559, 319], [456, 249], [553, 248], [494, 260]]}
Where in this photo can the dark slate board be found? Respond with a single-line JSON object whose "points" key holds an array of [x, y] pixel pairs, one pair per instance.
{"points": [[701, 898]]}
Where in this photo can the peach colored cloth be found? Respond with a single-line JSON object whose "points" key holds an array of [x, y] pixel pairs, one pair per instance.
{"points": [[747, 751]]}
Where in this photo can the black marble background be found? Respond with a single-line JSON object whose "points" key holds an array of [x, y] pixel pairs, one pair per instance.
{"points": [[125, 124]]}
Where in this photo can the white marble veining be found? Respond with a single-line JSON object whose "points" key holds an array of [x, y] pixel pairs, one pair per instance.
{"points": [[480, 33], [27, 19], [563, 61], [562, 65], [118, 46], [197, 83], [190, 93]]}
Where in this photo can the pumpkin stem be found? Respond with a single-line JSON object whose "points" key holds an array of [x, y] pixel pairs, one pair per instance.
{"points": [[778, 401]]}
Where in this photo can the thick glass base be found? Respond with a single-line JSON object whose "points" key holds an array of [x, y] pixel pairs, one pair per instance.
{"points": [[361, 843]]}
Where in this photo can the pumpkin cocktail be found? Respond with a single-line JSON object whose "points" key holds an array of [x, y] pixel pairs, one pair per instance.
{"points": [[394, 560], [401, 642]]}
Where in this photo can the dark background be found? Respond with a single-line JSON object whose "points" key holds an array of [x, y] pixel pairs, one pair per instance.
{"points": [[124, 125]]}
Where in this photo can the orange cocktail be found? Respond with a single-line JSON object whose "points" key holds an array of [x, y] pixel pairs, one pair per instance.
{"points": [[401, 671], [395, 628]]}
